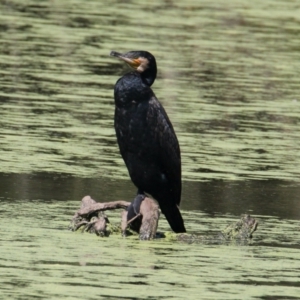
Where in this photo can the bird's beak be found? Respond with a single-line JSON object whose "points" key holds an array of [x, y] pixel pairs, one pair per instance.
{"points": [[132, 62]]}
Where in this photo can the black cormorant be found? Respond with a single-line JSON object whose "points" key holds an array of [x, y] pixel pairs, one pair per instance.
{"points": [[146, 138]]}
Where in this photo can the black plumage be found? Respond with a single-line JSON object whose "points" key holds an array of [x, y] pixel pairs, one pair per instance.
{"points": [[146, 138]]}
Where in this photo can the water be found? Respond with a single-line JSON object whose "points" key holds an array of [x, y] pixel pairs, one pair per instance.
{"points": [[40, 259], [228, 76]]}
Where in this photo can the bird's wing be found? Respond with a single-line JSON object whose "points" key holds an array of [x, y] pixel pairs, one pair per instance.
{"points": [[169, 154]]}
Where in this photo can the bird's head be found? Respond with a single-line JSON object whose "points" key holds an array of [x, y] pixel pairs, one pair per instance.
{"points": [[142, 61]]}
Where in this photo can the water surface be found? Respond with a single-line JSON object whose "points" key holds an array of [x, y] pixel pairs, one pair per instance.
{"points": [[228, 76], [42, 259]]}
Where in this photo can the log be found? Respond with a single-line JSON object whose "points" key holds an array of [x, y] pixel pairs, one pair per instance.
{"points": [[144, 213], [91, 216]]}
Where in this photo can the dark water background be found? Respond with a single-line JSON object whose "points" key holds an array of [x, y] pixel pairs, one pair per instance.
{"points": [[228, 76]]}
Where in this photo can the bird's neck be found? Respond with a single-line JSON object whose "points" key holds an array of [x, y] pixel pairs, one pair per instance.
{"points": [[148, 76]]}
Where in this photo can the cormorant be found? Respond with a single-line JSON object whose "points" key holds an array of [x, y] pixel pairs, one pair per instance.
{"points": [[146, 138]]}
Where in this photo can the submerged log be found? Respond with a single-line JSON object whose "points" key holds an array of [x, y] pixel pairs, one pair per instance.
{"points": [[92, 218]]}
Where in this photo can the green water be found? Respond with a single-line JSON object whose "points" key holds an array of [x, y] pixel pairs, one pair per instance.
{"points": [[228, 76], [40, 259]]}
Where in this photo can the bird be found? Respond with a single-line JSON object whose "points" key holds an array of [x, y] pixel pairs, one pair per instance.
{"points": [[146, 137]]}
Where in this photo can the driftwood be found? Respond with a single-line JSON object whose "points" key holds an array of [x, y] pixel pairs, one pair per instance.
{"points": [[144, 215], [91, 216]]}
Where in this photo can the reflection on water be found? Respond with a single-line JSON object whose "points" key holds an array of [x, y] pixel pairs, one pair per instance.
{"points": [[271, 198], [228, 75]]}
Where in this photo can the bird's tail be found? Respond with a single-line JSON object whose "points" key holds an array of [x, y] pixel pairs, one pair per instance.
{"points": [[173, 215]]}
